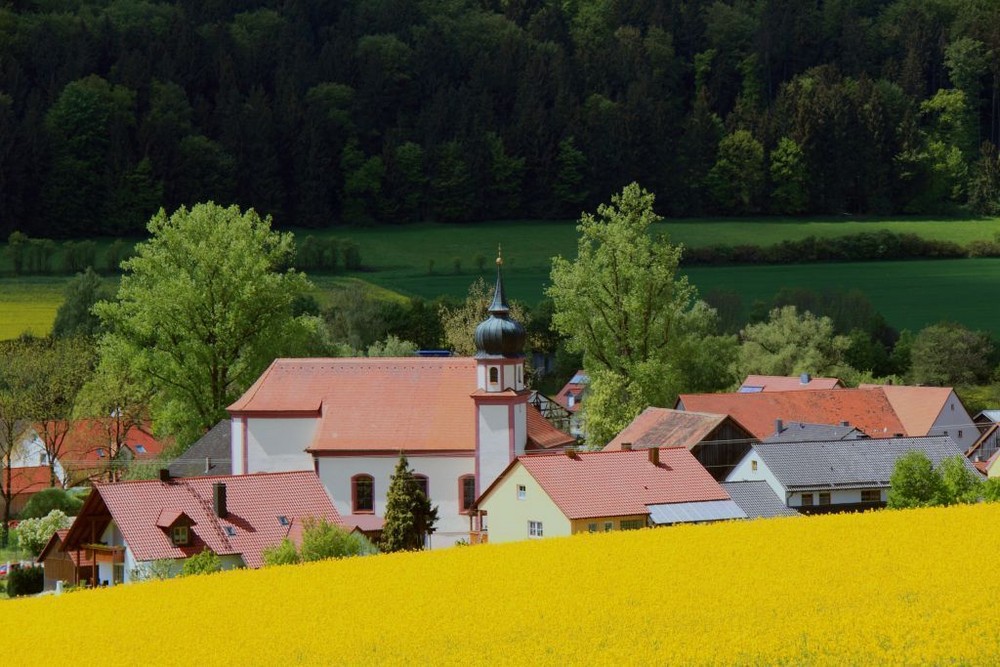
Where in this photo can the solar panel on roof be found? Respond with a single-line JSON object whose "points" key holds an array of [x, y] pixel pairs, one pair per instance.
{"points": [[579, 378], [709, 510], [749, 390]]}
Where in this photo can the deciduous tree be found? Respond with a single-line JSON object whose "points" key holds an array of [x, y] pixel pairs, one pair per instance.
{"points": [[789, 343], [203, 308], [75, 316], [624, 306], [948, 354]]}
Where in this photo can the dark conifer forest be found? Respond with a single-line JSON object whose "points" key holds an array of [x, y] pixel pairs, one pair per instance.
{"points": [[347, 112]]}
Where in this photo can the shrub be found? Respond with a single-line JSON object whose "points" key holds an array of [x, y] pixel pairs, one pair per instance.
{"points": [[43, 502], [25, 581], [284, 553], [322, 540], [32, 534], [204, 563], [352, 255]]}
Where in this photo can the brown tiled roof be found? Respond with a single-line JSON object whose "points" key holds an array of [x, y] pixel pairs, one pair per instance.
{"points": [[542, 434], [596, 484], [662, 427], [916, 407], [867, 409], [255, 505], [790, 383], [577, 388]]}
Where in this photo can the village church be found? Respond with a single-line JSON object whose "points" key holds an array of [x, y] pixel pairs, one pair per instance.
{"points": [[460, 421]]}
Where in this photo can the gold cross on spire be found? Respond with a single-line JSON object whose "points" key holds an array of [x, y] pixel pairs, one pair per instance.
{"points": [[499, 255]]}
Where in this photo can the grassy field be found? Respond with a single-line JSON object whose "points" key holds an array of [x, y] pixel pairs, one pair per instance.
{"points": [[398, 262]]}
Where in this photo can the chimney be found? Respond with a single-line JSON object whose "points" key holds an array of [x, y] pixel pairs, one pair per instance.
{"points": [[208, 464], [804, 378], [570, 452], [219, 499], [164, 475], [654, 455], [779, 426], [626, 446]]}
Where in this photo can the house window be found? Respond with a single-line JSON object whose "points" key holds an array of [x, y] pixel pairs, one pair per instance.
{"points": [[609, 526], [807, 499], [522, 491], [534, 529], [494, 375], [518, 375], [421, 482], [959, 433], [632, 524], [100, 452], [466, 492], [179, 535], [753, 465], [824, 498], [363, 494], [592, 527], [871, 495]]}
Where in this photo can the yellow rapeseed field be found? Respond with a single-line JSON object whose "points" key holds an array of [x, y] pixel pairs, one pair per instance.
{"points": [[908, 587]]}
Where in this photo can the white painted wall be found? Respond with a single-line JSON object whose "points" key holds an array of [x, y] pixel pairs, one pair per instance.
{"points": [[236, 445], [442, 484], [744, 472], [837, 497], [278, 444], [494, 443], [955, 422], [31, 453]]}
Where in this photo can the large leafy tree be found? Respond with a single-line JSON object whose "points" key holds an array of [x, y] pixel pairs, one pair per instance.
{"points": [[409, 515], [17, 379], [948, 354], [203, 307], [789, 343], [623, 305]]}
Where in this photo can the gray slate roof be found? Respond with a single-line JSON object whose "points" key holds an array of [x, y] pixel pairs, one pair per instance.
{"points": [[215, 446], [757, 499], [848, 463], [802, 432]]}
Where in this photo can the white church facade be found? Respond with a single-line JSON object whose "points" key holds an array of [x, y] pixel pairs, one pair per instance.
{"points": [[459, 420]]}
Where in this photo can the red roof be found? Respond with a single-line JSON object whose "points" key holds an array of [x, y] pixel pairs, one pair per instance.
{"points": [[662, 427], [56, 542], [419, 404], [364, 522], [27, 480], [916, 407], [866, 409], [598, 484], [262, 509], [575, 388], [88, 445], [542, 434], [793, 383]]}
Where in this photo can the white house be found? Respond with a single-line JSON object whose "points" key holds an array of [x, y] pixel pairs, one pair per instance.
{"points": [[835, 475], [460, 422]]}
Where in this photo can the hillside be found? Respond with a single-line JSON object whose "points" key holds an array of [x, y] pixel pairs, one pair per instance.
{"points": [[836, 589], [370, 113]]}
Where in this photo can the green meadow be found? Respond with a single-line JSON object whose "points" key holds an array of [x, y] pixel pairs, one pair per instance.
{"points": [[429, 259]]}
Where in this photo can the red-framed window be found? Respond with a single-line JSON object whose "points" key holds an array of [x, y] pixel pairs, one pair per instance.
{"points": [[363, 494], [466, 492], [422, 484]]}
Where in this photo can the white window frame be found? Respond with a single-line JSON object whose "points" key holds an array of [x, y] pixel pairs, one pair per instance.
{"points": [[522, 492], [535, 529]]}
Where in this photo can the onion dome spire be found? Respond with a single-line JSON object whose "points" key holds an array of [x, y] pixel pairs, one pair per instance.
{"points": [[499, 335]]}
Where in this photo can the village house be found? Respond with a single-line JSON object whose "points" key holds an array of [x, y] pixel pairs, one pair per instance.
{"points": [[575, 492], [835, 475], [717, 441], [757, 383], [571, 398], [124, 527], [459, 420], [209, 455], [879, 411]]}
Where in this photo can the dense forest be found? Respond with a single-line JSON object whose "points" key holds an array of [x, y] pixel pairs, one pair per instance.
{"points": [[331, 112]]}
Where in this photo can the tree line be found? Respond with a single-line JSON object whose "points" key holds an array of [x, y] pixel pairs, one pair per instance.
{"points": [[361, 112]]}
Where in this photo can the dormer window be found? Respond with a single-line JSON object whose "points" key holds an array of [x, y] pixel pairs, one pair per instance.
{"points": [[570, 399], [180, 536]]}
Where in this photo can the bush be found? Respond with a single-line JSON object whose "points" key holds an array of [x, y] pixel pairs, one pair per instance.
{"points": [[284, 553], [25, 581], [32, 534], [322, 540], [204, 563], [43, 502]]}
